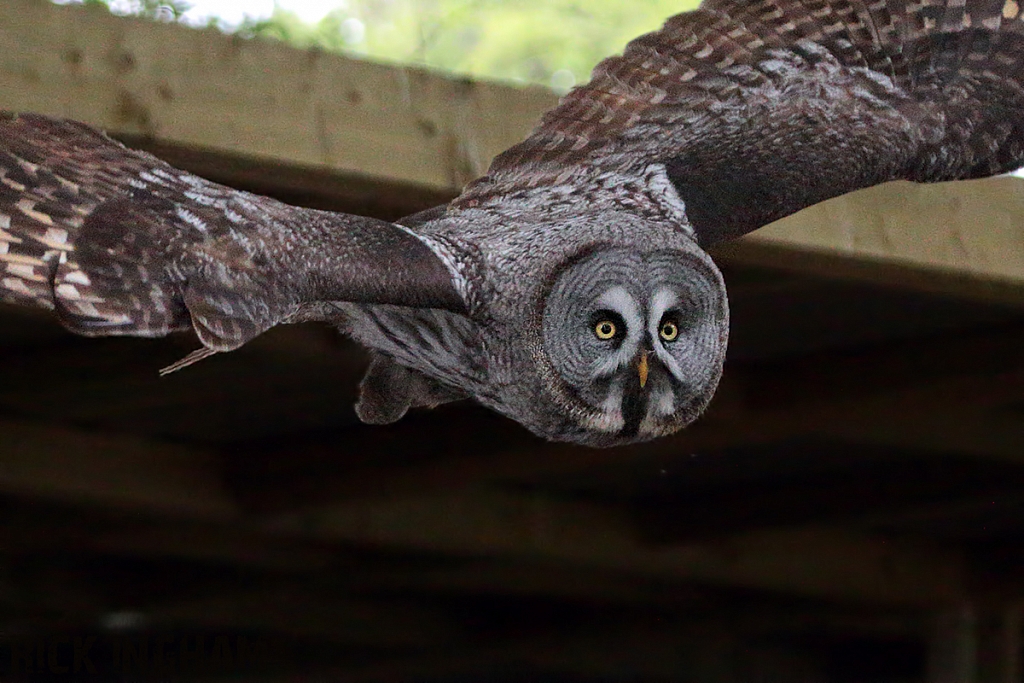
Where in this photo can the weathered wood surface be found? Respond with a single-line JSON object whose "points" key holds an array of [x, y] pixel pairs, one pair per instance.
{"points": [[200, 88], [964, 238], [150, 479]]}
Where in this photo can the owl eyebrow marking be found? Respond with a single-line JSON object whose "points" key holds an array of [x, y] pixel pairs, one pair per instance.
{"points": [[669, 362], [663, 300], [619, 300]]}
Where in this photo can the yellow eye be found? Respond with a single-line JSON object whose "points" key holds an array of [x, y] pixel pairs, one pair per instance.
{"points": [[605, 329], [669, 331]]}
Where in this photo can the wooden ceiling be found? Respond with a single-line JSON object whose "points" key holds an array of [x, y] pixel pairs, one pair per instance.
{"points": [[849, 510]]}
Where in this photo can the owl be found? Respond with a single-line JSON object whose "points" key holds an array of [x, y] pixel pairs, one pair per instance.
{"points": [[569, 288]]}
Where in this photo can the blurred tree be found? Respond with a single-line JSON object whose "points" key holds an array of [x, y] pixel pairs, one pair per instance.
{"points": [[552, 42]]}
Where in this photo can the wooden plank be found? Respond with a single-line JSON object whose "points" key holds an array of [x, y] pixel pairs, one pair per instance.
{"points": [[529, 578], [239, 545], [77, 467], [56, 463], [972, 643], [805, 561], [746, 638], [881, 490], [295, 378], [952, 647], [54, 526], [983, 356], [256, 98], [960, 238], [999, 644], [654, 645], [303, 611], [652, 650]]}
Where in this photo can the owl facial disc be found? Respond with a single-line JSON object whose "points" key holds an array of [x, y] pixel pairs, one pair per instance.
{"points": [[636, 340]]}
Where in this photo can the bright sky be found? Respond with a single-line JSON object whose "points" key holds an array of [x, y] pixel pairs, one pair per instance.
{"points": [[233, 11]]}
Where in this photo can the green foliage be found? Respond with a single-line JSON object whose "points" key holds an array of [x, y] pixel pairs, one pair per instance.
{"points": [[553, 42]]}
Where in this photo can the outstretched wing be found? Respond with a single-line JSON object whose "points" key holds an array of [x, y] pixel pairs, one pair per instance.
{"points": [[118, 242], [759, 108]]}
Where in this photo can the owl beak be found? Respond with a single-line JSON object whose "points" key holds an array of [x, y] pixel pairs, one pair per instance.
{"points": [[643, 369]]}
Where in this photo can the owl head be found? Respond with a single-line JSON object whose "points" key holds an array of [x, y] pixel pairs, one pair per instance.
{"points": [[616, 342]]}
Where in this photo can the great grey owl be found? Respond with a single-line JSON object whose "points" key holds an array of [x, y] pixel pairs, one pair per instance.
{"points": [[568, 288]]}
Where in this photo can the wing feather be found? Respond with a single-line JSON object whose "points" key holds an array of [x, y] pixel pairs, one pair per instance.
{"points": [[758, 108], [118, 242]]}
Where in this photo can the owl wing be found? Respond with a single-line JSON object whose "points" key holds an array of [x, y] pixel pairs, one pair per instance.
{"points": [[118, 242], [759, 108]]}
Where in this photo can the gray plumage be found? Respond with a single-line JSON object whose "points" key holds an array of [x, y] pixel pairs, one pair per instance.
{"points": [[569, 287]]}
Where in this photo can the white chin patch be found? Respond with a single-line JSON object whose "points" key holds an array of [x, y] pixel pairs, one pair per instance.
{"points": [[660, 404], [619, 300], [662, 300], [610, 418]]}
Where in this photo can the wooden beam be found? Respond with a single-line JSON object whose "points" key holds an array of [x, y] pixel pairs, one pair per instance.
{"points": [[808, 561], [530, 578], [73, 531], [1000, 646], [975, 644], [652, 644], [198, 88], [646, 651], [952, 648], [290, 610], [254, 550], [879, 489], [957, 238], [983, 359], [51, 478], [159, 479], [70, 530], [49, 462], [128, 473], [77, 467], [948, 432], [296, 378]]}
